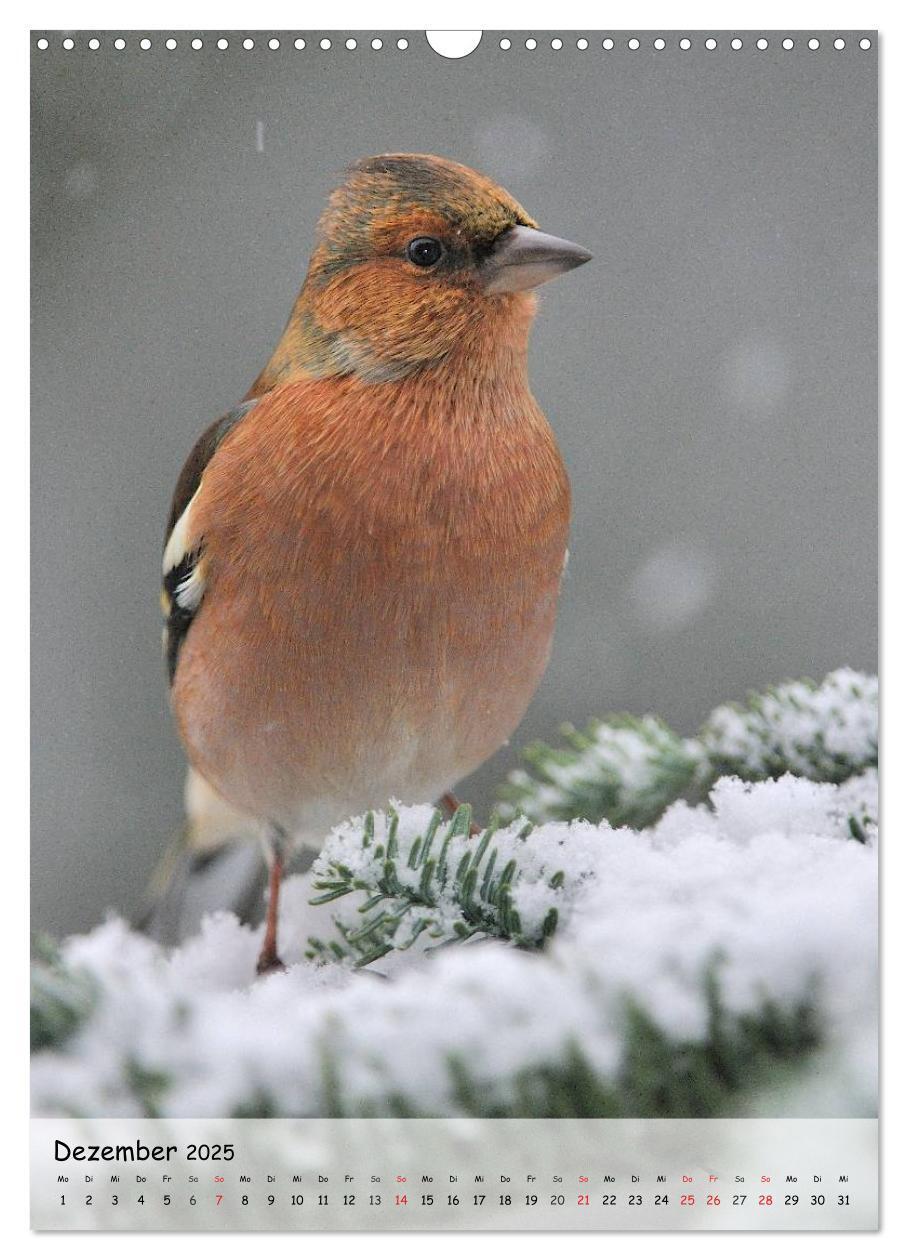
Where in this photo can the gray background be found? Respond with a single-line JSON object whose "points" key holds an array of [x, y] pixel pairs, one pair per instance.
{"points": [[711, 374]]}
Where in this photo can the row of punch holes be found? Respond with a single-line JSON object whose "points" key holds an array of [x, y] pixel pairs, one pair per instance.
{"points": [[223, 43], [402, 43]]}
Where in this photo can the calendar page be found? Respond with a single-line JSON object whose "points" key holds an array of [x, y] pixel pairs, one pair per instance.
{"points": [[454, 597]]}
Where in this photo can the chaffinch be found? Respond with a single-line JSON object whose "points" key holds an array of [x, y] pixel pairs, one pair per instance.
{"points": [[363, 558]]}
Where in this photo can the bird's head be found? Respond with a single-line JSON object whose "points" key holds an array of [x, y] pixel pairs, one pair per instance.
{"points": [[415, 255]]}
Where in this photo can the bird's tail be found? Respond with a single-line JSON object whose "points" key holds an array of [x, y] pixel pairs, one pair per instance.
{"points": [[212, 862], [163, 874]]}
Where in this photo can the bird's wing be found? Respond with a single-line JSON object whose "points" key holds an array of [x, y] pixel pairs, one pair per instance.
{"points": [[183, 567]]}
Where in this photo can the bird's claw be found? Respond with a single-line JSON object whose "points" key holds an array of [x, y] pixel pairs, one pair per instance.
{"points": [[267, 965]]}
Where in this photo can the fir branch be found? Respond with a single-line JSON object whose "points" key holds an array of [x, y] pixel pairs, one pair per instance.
{"points": [[699, 1077], [625, 769], [826, 732], [659, 1074], [629, 770], [62, 998], [441, 884]]}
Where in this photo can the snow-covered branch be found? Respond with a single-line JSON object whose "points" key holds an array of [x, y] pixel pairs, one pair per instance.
{"points": [[629, 770], [444, 886], [703, 966]]}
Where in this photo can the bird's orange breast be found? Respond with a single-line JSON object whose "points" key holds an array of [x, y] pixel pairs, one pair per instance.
{"points": [[382, 565]]}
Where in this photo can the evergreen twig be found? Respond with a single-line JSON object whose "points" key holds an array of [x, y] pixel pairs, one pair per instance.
{"points": [[447, 886], [61, 998], [628, 770]]}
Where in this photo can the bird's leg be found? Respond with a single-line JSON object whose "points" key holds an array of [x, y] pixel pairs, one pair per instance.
{"points": [[268, 957], [450, 802]]}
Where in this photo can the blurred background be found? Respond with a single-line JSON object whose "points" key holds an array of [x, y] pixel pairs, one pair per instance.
{"points": [[711, 375]]}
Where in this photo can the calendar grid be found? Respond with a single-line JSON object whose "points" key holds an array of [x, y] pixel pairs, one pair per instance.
{"points": [[453, 1174]]}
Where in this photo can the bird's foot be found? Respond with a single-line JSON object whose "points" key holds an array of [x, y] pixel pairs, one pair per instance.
{"points": [[268, 964], [452, 805]]}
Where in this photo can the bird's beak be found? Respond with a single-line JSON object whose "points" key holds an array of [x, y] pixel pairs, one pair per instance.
{"points": [[523, 257]]}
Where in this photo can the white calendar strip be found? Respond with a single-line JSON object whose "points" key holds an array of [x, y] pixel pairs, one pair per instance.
{"points": [[454, 1174]]}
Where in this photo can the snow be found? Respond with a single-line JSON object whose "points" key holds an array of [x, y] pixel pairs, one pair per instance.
{"points": [[767, 885]]}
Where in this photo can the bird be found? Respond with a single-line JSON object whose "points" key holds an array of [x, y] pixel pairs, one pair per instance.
{"points": [[363, 558]]}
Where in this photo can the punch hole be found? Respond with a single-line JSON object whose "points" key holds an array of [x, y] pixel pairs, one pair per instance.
{"points": [[196, 44], [145, 44], [712, 43], [813, 44], [119, 44], [788, 43], [43, 45], [531, 44], [299, 44], [505, 44], [684, 43], [223, 43], [69, 44], [248, 43], [94, 44], [556, 44], [633, 44], [170, 43], [274, 44], [324, 44], [350, 44], [583, 44], [838, 44], [403, 44], [608, 44], [453, 44], [737, 44], [659, 44], [377, 44], [866, 43], [762, 44]]}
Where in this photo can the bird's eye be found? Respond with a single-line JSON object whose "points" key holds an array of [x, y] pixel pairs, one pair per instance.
{"points": [[425, 251]]}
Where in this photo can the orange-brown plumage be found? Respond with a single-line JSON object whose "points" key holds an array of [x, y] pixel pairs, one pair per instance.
{"points": [[377, 544]]}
